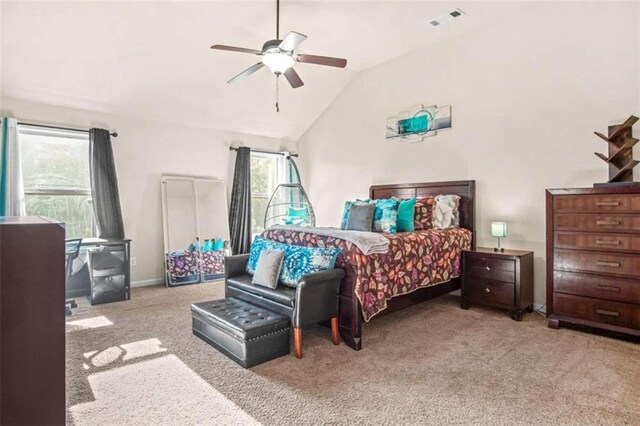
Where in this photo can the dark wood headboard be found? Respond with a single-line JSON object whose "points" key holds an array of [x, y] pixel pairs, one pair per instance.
{"points": [[466, 189]]}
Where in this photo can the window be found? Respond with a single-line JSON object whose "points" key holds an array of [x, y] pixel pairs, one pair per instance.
{"points": [[267, 172], [55, 171]]}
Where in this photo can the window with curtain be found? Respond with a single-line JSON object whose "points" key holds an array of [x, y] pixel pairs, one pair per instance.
{"points": [[55, 171], [267, 172]]}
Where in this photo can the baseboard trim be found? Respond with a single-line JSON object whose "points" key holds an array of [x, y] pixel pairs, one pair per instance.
{"points": [[147, 283], [540, 308]]}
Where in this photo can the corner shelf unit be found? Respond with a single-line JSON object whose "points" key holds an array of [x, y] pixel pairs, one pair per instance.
{"points": [[620, 158]]}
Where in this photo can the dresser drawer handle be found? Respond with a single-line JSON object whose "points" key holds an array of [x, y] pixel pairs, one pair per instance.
{"points": [[607, 313], [487, 290], [608, 242], [608, 222], [607, 203], [487, 268], [607, 288], [609, 264]]}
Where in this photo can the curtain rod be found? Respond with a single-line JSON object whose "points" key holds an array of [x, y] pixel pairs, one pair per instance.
{"points": [[235, 148], [46, 126]]}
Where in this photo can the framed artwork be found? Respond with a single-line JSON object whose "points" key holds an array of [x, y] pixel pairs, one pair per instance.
{"points": [[418, 122]]}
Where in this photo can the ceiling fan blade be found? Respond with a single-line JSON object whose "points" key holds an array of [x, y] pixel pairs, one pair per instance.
{"points": [[291, 41], [236, 49], [293, 78], [246, 73], [322, 60]]}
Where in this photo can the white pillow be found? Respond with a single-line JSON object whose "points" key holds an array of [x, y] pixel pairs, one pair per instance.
{"points": [[445, 212]]}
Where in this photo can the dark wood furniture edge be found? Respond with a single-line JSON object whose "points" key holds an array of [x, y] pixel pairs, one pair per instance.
{"points": [[586, 191], [555, 321], [350, 316], [513, 254], [464, 188], [549, 246]]}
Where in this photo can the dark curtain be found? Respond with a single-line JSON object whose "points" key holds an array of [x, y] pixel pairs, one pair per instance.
{"points": [[240, 210], [104, 185]]}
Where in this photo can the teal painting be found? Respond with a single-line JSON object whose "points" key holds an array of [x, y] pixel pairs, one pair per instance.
{"points": [[418, 122]]}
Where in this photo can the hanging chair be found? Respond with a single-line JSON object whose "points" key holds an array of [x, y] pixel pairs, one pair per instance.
{"points": [[289, 204]]}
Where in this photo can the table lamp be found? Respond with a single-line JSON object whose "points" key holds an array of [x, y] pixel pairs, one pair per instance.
{"points": [[499, 230]]}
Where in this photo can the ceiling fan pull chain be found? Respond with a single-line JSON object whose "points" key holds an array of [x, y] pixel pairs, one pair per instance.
{"points": [[277, 93], [277, 19]]}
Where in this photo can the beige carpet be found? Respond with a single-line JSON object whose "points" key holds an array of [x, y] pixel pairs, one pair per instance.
{"points": [[137, 362]]}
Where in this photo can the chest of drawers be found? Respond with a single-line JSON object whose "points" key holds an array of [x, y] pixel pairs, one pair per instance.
{"points": [[593, 258]]}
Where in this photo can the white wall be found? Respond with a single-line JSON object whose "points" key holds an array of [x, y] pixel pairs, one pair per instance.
{"points": [[526, 96], [143, 151]]}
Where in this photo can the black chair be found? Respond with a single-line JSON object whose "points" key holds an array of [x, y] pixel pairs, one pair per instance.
{"points": [[71, 251], [314, 300]]}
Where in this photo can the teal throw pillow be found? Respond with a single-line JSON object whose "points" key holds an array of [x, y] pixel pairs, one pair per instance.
{"points": [[299, 261], [385, 216], [406, 213]]}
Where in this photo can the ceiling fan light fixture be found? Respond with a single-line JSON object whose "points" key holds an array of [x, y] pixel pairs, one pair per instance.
{"points": [[278, 62]]}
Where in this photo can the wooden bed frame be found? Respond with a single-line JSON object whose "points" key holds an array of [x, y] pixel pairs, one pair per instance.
{"points": [[350, 312]]}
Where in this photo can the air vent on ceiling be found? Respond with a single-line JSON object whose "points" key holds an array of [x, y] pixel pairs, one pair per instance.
{"points": [[441, 20]]}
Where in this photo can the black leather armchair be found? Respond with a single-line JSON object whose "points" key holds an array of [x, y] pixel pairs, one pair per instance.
{"points": [[314, 300]]}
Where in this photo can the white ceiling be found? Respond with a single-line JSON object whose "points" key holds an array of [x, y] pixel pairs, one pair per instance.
{"points": [[152, 59]]}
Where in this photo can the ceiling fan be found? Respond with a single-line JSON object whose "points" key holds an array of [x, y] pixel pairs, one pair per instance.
{"points": [[279, 56]]}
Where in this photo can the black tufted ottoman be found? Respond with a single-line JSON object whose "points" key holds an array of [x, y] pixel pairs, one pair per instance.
{"points": [[247, 334]]}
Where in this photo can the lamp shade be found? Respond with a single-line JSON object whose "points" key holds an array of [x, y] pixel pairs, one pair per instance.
{"points": [[498, 229], [278, 62]]}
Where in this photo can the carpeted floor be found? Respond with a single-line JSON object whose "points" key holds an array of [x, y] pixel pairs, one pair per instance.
{"points": [[137, 362]]}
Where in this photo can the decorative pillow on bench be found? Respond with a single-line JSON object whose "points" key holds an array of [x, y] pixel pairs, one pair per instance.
{"points": [[298, 260], [268, 269]]}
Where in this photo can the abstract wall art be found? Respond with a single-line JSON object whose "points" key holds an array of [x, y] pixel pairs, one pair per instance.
{"points": [[418, 122]]}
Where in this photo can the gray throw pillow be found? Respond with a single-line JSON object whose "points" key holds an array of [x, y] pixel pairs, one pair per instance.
{"points": [[361, 217], [268, 268]]}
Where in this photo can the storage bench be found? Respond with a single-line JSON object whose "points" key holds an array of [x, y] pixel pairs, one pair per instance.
{"points": [[248, 334]]}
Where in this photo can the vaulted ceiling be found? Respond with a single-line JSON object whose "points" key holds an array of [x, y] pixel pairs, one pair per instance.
{"points": [[152, 59]]}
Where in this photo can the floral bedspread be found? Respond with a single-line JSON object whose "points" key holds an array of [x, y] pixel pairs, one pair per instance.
{"points": [[415, 260]]}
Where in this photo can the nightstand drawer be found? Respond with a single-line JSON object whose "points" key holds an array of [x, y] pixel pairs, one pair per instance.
{"points": [[491, 268], [600, 262], [621, 203], [586, 308], [596, 222], [597, 286], [489, 291]]}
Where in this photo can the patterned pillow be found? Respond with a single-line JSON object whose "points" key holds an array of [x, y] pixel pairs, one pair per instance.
{"points": [[424, 213], [298, 260], [385, 216], [257, 246], [446, 213]]}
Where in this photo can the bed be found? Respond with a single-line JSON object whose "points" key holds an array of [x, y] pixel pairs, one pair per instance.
{"points": [[420, 265]]}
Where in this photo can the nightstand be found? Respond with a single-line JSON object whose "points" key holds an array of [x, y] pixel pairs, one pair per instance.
{"points": [[499, 279]]}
